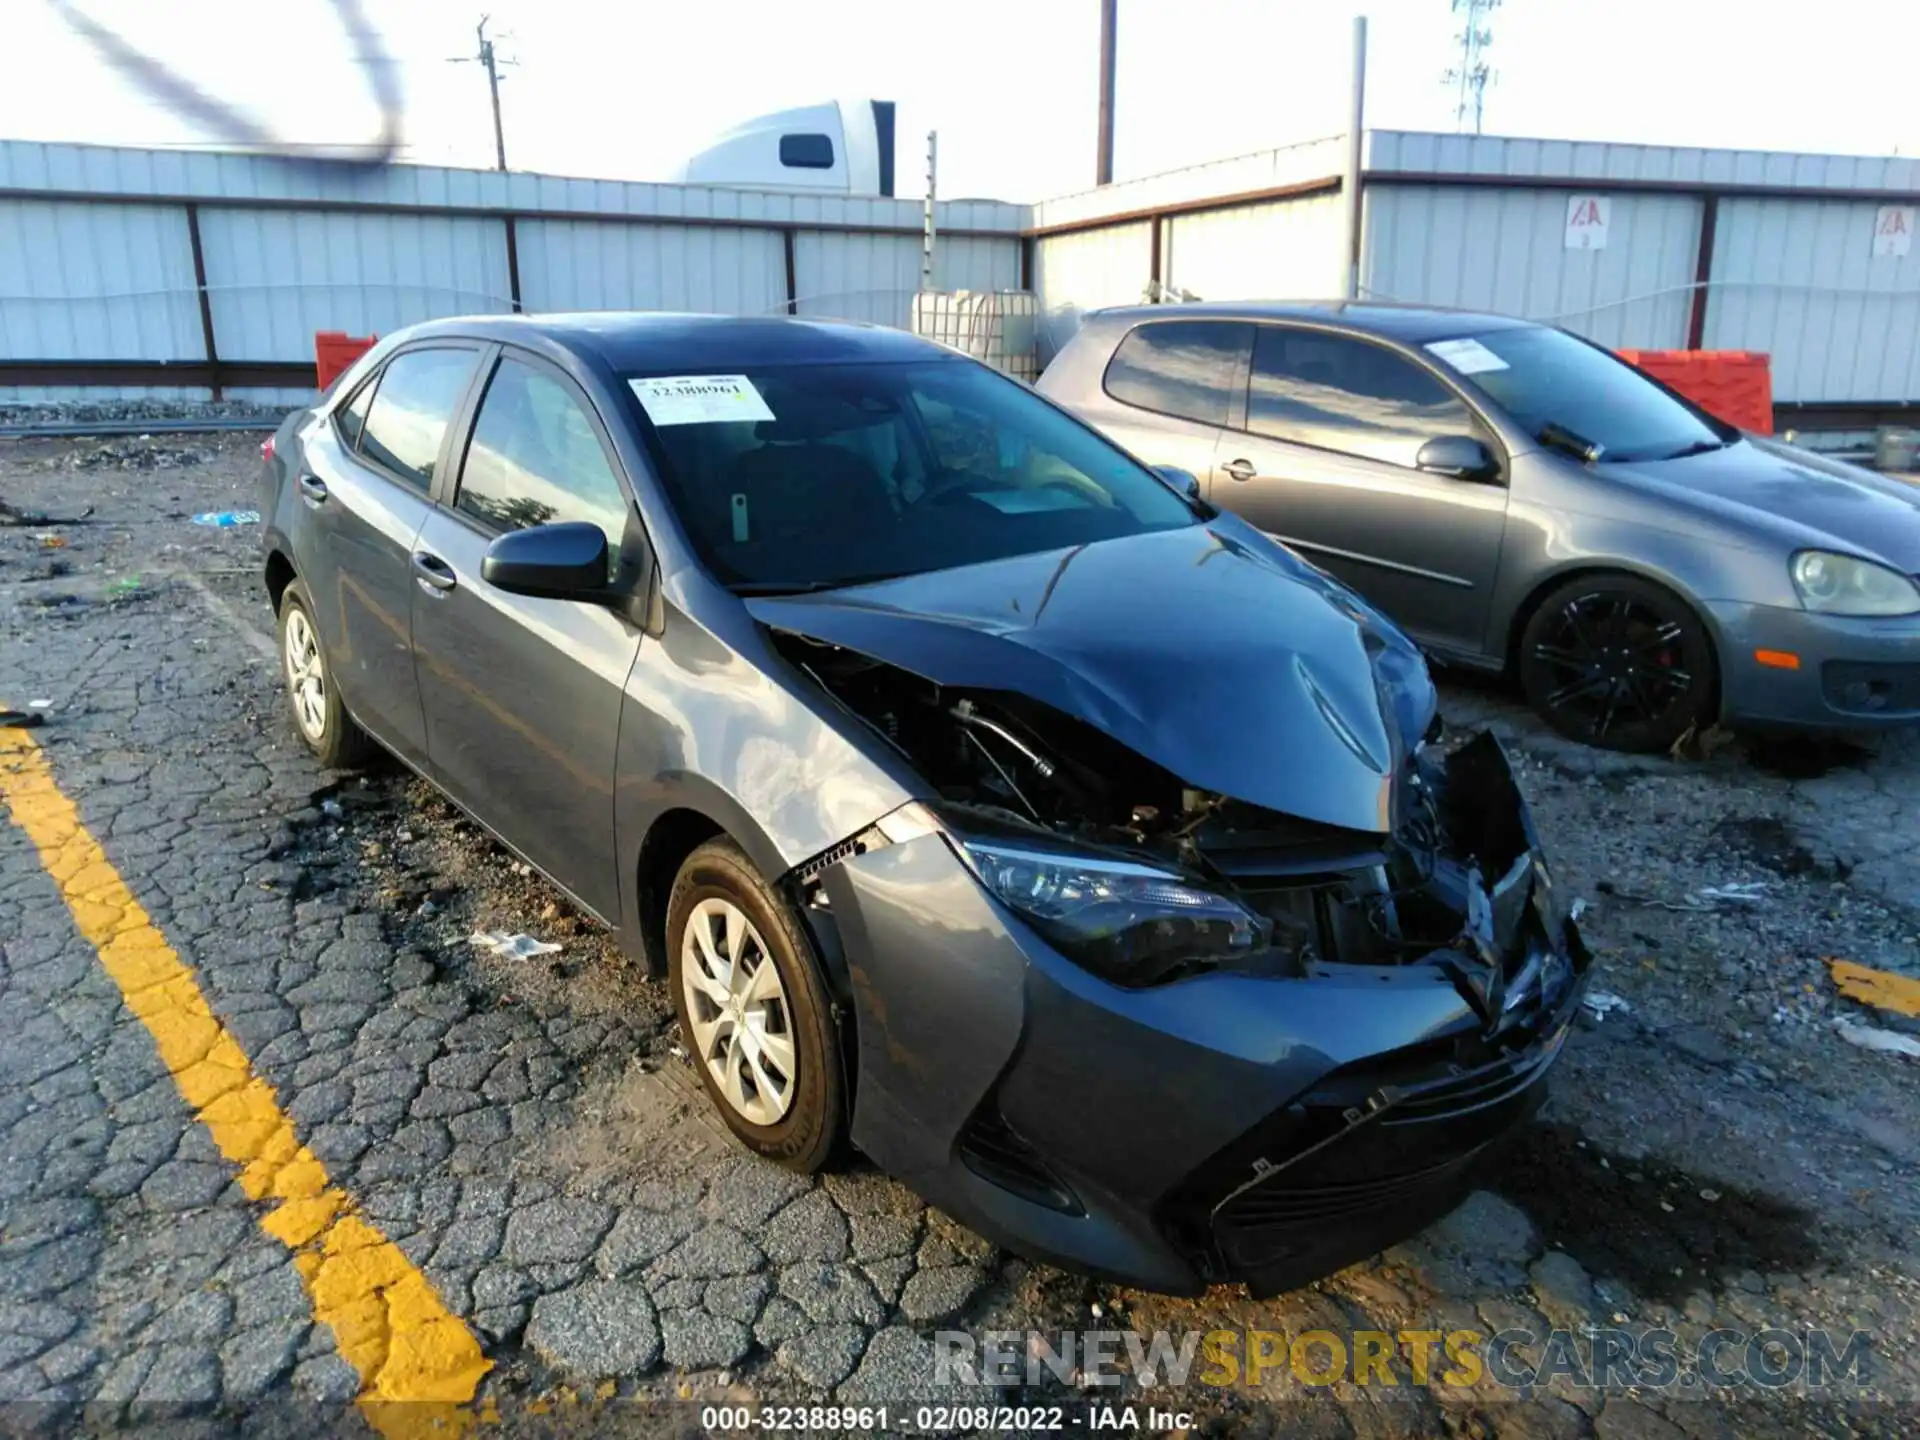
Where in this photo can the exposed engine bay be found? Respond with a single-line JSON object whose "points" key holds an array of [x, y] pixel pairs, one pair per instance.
{"points": [[1451, 882]]}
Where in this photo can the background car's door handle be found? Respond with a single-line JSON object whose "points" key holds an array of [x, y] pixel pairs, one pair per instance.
{"points": [[432, 572], [313, 488], [1240, 469]]}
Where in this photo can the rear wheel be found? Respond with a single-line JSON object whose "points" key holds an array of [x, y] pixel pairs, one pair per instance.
{"points": [[754, 1009], [1618, 662], [312, 696]]}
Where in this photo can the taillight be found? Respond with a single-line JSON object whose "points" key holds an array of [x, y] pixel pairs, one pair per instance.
{"points": [[266, 448]]}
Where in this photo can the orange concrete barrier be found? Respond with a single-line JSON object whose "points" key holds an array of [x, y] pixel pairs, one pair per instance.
{"points": [[335, 350], [1733, 385]]}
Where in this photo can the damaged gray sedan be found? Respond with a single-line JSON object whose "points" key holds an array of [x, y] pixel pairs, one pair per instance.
{"points": [[1081, 855]]}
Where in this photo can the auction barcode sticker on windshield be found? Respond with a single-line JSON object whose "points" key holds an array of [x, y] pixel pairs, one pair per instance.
{"points": [[700, 400], [1468, 355]]}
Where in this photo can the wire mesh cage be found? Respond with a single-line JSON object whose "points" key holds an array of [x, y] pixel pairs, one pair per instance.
{"points": [[996, 326]]}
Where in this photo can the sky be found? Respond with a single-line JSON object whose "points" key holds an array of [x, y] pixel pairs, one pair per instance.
{"points": [[628, 90]]}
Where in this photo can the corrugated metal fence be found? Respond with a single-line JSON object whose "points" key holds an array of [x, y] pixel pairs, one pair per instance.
{"points": [[145, 273], [1714, 249], [128, 269]]}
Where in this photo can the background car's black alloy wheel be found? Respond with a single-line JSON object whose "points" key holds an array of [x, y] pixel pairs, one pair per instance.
{"points": [[1618, 663]]}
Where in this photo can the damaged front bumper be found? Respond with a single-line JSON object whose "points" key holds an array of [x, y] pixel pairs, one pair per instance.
{"points": [[1227, 1126]]}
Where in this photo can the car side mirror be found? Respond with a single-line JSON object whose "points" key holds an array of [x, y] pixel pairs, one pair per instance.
{"points": [[1460, 457], [564, 561], [1185, 481]]}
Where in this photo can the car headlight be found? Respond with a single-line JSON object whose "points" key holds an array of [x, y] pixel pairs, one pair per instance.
{"points": [[1127, 921], [1847, 585]]}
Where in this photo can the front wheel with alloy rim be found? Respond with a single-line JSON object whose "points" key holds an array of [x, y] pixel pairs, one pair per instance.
{"points": [[754, 1009], [313, 698], [1618, 662]]}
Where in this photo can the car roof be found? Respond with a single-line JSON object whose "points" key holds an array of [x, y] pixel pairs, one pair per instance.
{"points": [[1415, 324], [629, 342]]}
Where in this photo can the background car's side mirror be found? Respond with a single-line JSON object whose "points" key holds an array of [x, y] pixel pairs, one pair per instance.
{"points": [[1459, 456], [565, 561], [1185, 481]]}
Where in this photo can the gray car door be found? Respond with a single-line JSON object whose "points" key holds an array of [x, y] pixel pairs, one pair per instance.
{"points": [[1170, 387], [364, 488], [1326, 464], [523, 696]]}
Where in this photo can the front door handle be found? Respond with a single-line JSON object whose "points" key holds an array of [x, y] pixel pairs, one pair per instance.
{"points": [[1240, 469], [313, 489], [433, 573]]}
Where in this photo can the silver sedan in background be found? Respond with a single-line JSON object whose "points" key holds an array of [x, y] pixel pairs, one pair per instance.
{"points": [[1520, 499]]}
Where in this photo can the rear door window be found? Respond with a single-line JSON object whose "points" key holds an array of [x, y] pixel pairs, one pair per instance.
{"points": [[536, 458], [419, 391], [351, 418], [1335, 392], [1184, 368]]}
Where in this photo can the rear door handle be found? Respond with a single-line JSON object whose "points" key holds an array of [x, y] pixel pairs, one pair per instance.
{"points": [[313, 489], [433, 573], [1240, 469]]}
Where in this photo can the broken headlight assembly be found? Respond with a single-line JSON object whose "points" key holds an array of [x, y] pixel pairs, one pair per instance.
{"points": [[1125, 920]]}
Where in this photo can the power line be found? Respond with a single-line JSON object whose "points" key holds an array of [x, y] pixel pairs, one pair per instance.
{"points": [[1471, 76], [492, 64]]}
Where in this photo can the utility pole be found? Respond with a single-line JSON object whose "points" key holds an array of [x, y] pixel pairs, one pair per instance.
{"points": [[926, 224], [487, 58], [1103, 158], [1471, 76], [1351, 177]]}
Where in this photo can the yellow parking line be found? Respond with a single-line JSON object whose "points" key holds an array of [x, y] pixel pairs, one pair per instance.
{"points": [[418, 1362]]}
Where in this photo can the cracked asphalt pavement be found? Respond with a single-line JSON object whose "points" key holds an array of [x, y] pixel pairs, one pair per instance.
{"points": [[426, 1157]]}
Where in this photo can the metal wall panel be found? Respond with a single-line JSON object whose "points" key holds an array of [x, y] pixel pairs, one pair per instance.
{"points": [[1799, 280], [589, 265], [1487, 248], [1306, 163], [96, 282], [1088, 270], [276, 276], [875, 277], [27, 164], [858, 277], [1287, 250], [1392, 150]]}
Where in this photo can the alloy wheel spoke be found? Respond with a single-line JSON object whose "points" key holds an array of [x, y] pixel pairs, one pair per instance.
{"points": [[764, 984], [1578, 689], [733, 1078], [1604, 722], [769, 1090], [707, 1035], [1560, 655], [715, 972], [775, 1048]]}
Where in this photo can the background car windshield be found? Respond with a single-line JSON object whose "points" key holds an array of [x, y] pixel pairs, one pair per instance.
{"points": [[867, 471], [1550, 377]]}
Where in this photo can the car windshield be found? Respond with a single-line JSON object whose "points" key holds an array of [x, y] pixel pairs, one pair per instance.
{"points": [[1574, 396], [844, 473]]}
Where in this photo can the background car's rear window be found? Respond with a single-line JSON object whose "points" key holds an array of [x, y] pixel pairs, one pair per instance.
{"points": [[1184, 368], [412, 409]]}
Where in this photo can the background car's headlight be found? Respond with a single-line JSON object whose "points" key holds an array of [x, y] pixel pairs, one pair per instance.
{"points": [[1128, 922], [1846, 585]]}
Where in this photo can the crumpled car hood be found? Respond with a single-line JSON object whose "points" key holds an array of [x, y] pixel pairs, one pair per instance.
{"points": [[1210, 650]]}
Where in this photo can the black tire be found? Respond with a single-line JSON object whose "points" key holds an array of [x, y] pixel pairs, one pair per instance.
{"points": [[321, 719], [807, 1134], [1618, 662]]}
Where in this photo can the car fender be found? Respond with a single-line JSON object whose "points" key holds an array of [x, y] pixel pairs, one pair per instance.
{"points": [[1699, 560]]}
